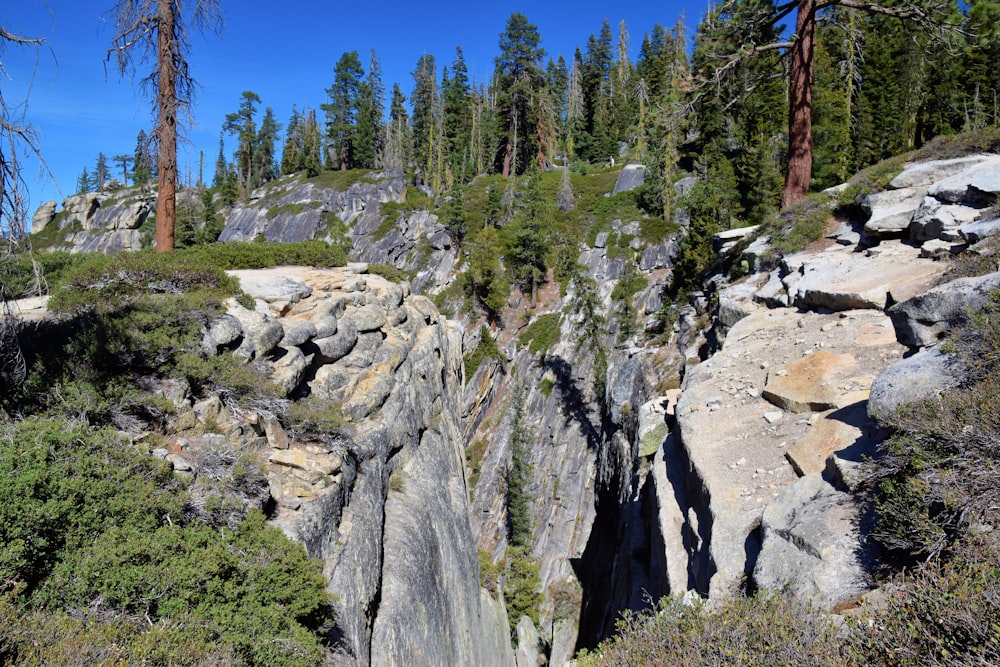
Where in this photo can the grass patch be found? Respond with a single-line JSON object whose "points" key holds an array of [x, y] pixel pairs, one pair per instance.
{"points": [[389, 272], [875, 178], [415, 200], [52, 236], [542, 333], [474, 455], [798, 225], [487, 349], [339, 181], [294, 208], [546, 386]]}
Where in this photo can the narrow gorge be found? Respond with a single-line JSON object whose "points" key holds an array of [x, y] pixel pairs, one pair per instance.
{"points": [[705, 448]]}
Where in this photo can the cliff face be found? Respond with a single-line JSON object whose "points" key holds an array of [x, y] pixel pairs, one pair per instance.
{"points": [[745, 477], [384, 504]]}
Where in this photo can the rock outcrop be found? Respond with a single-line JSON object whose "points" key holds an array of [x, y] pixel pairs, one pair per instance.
{"points": [[382, 501]]}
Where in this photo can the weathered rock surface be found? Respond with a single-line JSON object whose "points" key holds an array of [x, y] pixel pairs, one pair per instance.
{"points": [[840, 279], [629, 178], [377, 500], [924, 375], [736, 456], [811, 541], [890, 212], [926, 318], [43, 216]]}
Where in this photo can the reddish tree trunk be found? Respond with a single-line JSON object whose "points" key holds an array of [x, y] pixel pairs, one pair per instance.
{"points": [[800, 146], [166, 128]]}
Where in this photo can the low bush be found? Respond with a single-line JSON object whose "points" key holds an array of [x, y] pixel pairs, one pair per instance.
{"points": [[764, 630], [542, 333], [92, 526], [487, 349]]}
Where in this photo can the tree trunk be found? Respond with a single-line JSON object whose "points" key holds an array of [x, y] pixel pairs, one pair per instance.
{"points": [[166, 127], [800, 146]]}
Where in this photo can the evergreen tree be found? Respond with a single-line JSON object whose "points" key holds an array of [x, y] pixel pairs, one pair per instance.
{"points": [[143, 159], [243, 124], [455, 219], [596, 143], [293, 151], [423, 100], [84, 182], [369, 132], [123, 159], [397, 142], [519, 528], [457, 100], [526, 236], [517, 82], [312, 145], [485, 284], [342, 110], [143, 28], [101, 171], [265, 157]]}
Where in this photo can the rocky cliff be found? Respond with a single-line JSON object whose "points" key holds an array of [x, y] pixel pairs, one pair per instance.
{"points": [[382, 500], [745, 477]]}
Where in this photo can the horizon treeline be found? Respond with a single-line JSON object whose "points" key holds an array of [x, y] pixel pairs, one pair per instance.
{"points": [[715, 108]]}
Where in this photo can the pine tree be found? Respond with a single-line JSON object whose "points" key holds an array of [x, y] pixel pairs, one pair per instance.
{"points": [[312, 145], [370, 124], [293, 151], [101, 172], [84, 182], [526, 237], [457, 100], [143, 160], [265, 157], [517, 81], [342, 110], [243, 124], [123, 159], [143, 28], [397, 132], [519, 528], [423, 100]]}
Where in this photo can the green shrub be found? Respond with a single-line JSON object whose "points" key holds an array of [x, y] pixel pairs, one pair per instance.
{"points": [[795, 227], [522, 587], [945, 613], [542, 333], [487, 349], [313, 418], [91, 525], [474, 454], [764, 630], [938, 473]]}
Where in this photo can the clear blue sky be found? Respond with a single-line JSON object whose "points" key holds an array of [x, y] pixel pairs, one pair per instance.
{"points": [[285, 52]]}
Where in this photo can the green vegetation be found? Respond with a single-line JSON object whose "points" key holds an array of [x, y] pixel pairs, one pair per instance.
{"points": [[522, 587], [936, 491], [287, 209], [758, 631], [520, 532], [92, 525], [542, 333], [316, 420], [798, 225], [415, 200], [474, 454], [873, 179], [938, 476], [487, 349], [335, 179]]}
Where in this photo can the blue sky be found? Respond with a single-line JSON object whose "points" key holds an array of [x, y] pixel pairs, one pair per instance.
{"points": [[285, 52]]}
